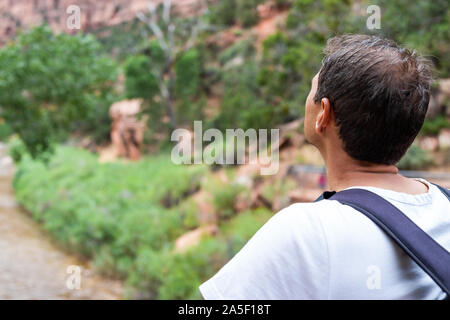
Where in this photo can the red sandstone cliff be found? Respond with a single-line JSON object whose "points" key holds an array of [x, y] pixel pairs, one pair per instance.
{"points": [[23, 14]]}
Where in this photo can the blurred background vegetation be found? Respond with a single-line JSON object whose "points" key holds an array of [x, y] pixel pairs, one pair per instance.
{"points": [[232, 66]]}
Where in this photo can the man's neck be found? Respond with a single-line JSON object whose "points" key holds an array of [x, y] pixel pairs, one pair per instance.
{"points": [[344, 172]]}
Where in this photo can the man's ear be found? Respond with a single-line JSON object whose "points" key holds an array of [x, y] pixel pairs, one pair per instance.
{"points": [[324, 116]]}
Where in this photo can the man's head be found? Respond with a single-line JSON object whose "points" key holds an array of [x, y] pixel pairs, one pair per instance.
{"points": [[370, 95]]}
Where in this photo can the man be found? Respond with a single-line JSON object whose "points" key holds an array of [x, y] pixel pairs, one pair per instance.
{"points": [[366, 106]]}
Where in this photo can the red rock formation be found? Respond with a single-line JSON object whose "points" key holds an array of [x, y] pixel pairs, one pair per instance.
{"points": [[24, 14]]}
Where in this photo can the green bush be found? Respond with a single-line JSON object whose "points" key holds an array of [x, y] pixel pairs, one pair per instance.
{"points": [[223, 13], [114, 213], [247, 13], [415, 158], [167, 276], [108, 212], [189, 213], [242, 227], [243, 105], [278, 188], [225, 199], [140, 82], [187, 70], [5, 131], [244, 49], [17, 149], [433, 126], [228, 12], [283, 3]]}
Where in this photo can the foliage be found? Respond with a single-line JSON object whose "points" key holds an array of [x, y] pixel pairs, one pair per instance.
{"points": [[243, 105], [177, 68], [243, 226], [16, 149], [165, 275], [178, 276], [227, 13], [189, 213], [433, 126], [142, 73], [121, 40], [243, 49], [108, 212], [223, 13], [278, 188], [139, 81], [49, 82], [5, 130], [225, 199], [426, 28], [187, 70], [415, 158], [246, 12], [283, 3], [114, 214]]}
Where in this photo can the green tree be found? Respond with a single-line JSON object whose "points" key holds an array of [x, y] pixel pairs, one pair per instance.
{"points": [[177, 60], [49, 82]]}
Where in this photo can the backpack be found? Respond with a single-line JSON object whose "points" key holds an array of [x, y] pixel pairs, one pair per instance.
{"points": [[424, 250]]}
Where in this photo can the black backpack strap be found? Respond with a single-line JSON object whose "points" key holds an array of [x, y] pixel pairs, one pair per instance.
{"points": [[424, 250]]}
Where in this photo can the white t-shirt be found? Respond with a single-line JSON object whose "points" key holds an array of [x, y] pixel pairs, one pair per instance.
{"points": [[326, 250]]}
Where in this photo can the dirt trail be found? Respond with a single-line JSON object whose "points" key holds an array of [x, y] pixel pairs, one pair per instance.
{"points": [[31, 266]]}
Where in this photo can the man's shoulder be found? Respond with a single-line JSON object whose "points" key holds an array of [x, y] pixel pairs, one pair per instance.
{"points": [[309, 220], [310, 210], [326, 219]]}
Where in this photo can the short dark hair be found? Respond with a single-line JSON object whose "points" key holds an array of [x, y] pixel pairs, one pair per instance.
{"points": [[379, 94]]}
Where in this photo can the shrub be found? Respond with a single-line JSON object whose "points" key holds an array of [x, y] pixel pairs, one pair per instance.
{"points": [[5, 131], [17, 149], [433, 126], [187, 70], [278, 188], [242, 227], [244, 49], [223, 13], [112, 213], [247, 13], [108, 212], [189, 213], [415, 158], [139, 80], [242, 105], [228, 12], [225, 199]]}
